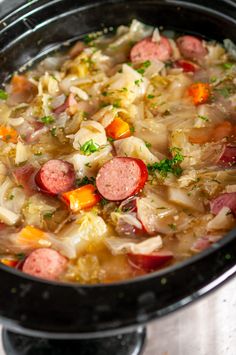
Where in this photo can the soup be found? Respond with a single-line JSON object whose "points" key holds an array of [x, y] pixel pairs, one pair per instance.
{"points": [[118, 156]]}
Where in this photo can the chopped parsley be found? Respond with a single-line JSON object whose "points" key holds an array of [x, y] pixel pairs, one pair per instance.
{"points": [[11, 197], [132, 129], [213, 79], [3, 95], [88, 38], [104, 202], [85, 181], [166, 166], [143, 67], [53, 131], [20, 256], [204, 118], [110, 139], [227, 66], [148, 145], [48, 215], [89, 147], [116, 104], [47, 119], [172, 226], [225, 92], [150, 97], [138, 82]]}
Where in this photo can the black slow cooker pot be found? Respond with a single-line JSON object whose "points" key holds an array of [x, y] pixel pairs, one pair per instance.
{"points": [[55, 310]]}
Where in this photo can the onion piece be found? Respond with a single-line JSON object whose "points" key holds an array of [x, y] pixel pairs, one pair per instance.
{"points": [[125, 245], [183, 198], [224, 220], [8, 217]]}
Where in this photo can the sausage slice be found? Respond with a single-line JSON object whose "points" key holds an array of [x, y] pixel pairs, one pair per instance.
{"points": [[224, 200], [191, 47], [228, 156], [152, 261], [56, 176], [45, 263], [150, 50], [121, 178]]}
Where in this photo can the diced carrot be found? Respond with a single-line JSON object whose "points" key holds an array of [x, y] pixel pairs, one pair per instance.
{"points": [[200, 92], [81, 198], [222, 130], [23, 88], [118, 129], [33, 237], [8, 134], [9, 262]]}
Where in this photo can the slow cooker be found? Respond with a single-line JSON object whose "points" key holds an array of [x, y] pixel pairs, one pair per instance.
{"points": [[100, 319]]}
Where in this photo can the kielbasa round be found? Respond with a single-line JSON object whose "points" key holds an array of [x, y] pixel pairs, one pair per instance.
{"points": [[121, 177], [45, 263], [55, 176], [150, 50], [191, 47]]}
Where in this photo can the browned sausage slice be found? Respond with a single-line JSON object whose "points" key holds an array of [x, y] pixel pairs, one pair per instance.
{"points": [[121, 178], [150, 50], [191, 47], [45, 263], [56, 176], [224, 200], [152, 261], [228, 156]]}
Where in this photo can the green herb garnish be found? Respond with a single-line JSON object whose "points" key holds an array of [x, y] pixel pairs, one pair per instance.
{"points": [[89, 147], [150, 97], [53, 131], [172, 226], [3, 95], [111, 140], [227, 66], [85, 181], [148, 145], [166, 166], [138, 82], [104, 202], [20, 256], [204, 118], [143, 67], [132, 129], [213, 79], [225, 92], [48, 215], [47, 119]]}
